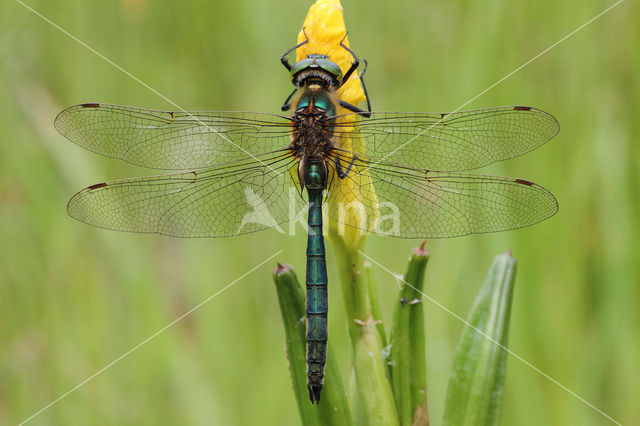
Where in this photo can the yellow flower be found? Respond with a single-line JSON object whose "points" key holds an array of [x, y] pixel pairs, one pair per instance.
{"points": [[325, 29]]}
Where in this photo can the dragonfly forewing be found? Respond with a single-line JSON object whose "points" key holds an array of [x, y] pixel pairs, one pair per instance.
{"points": [[173, 140], [457, 141]]}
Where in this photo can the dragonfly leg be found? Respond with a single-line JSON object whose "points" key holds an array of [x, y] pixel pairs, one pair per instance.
{"points": [[354, 108], [283, 58], [355, 63], [350, 71], [286, 105], [364, 88], [343, 173]]}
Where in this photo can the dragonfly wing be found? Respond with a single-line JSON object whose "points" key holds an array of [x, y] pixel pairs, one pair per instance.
{"points": [[221, 201], [456, 141], [172, 140], [415, 203]]}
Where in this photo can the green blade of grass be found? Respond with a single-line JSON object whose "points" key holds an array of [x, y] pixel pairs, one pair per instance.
{"points": [[333, 408], [476, 383]]}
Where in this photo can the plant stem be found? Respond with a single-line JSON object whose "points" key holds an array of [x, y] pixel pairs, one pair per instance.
{"points": [[375, 305], [374, 392]]}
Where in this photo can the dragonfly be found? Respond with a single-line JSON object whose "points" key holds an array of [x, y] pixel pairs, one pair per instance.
{"points": [[234, 172]]}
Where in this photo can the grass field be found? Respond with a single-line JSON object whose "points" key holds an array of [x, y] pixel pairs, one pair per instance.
{"points": [[73, 298]]}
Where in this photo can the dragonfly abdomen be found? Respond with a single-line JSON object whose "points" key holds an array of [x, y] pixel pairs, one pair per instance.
{"points": [[316, 298]]}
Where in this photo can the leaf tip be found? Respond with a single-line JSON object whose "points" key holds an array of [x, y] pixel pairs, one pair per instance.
{"points": [[421, 251], [282, 269]]}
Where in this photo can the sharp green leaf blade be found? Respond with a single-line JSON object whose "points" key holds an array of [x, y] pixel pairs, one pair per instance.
{"points": [[333, 408], [408, 359], [417, 347], [476, 385]]}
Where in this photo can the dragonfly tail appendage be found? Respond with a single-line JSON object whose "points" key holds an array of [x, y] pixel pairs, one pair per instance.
{"points": [[316, 299]]}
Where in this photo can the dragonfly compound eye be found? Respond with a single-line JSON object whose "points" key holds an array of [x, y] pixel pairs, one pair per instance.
{"points": [[317, 67]]}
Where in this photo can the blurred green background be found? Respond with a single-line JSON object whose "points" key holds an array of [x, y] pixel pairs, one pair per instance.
{"points": [[73, 298]]}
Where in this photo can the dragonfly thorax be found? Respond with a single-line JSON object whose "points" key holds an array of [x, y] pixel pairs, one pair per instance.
{"points": [[315, 99], [312, 136]]}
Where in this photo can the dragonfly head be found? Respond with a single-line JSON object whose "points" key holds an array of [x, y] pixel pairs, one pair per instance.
{"points": [[316, 69]]}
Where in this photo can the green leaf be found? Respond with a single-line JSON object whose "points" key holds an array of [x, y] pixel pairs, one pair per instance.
{"points": [[333, 408], [476, 384], [408, 359]]}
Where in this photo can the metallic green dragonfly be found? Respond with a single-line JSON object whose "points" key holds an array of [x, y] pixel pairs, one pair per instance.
{"points": [[242, 172]]}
